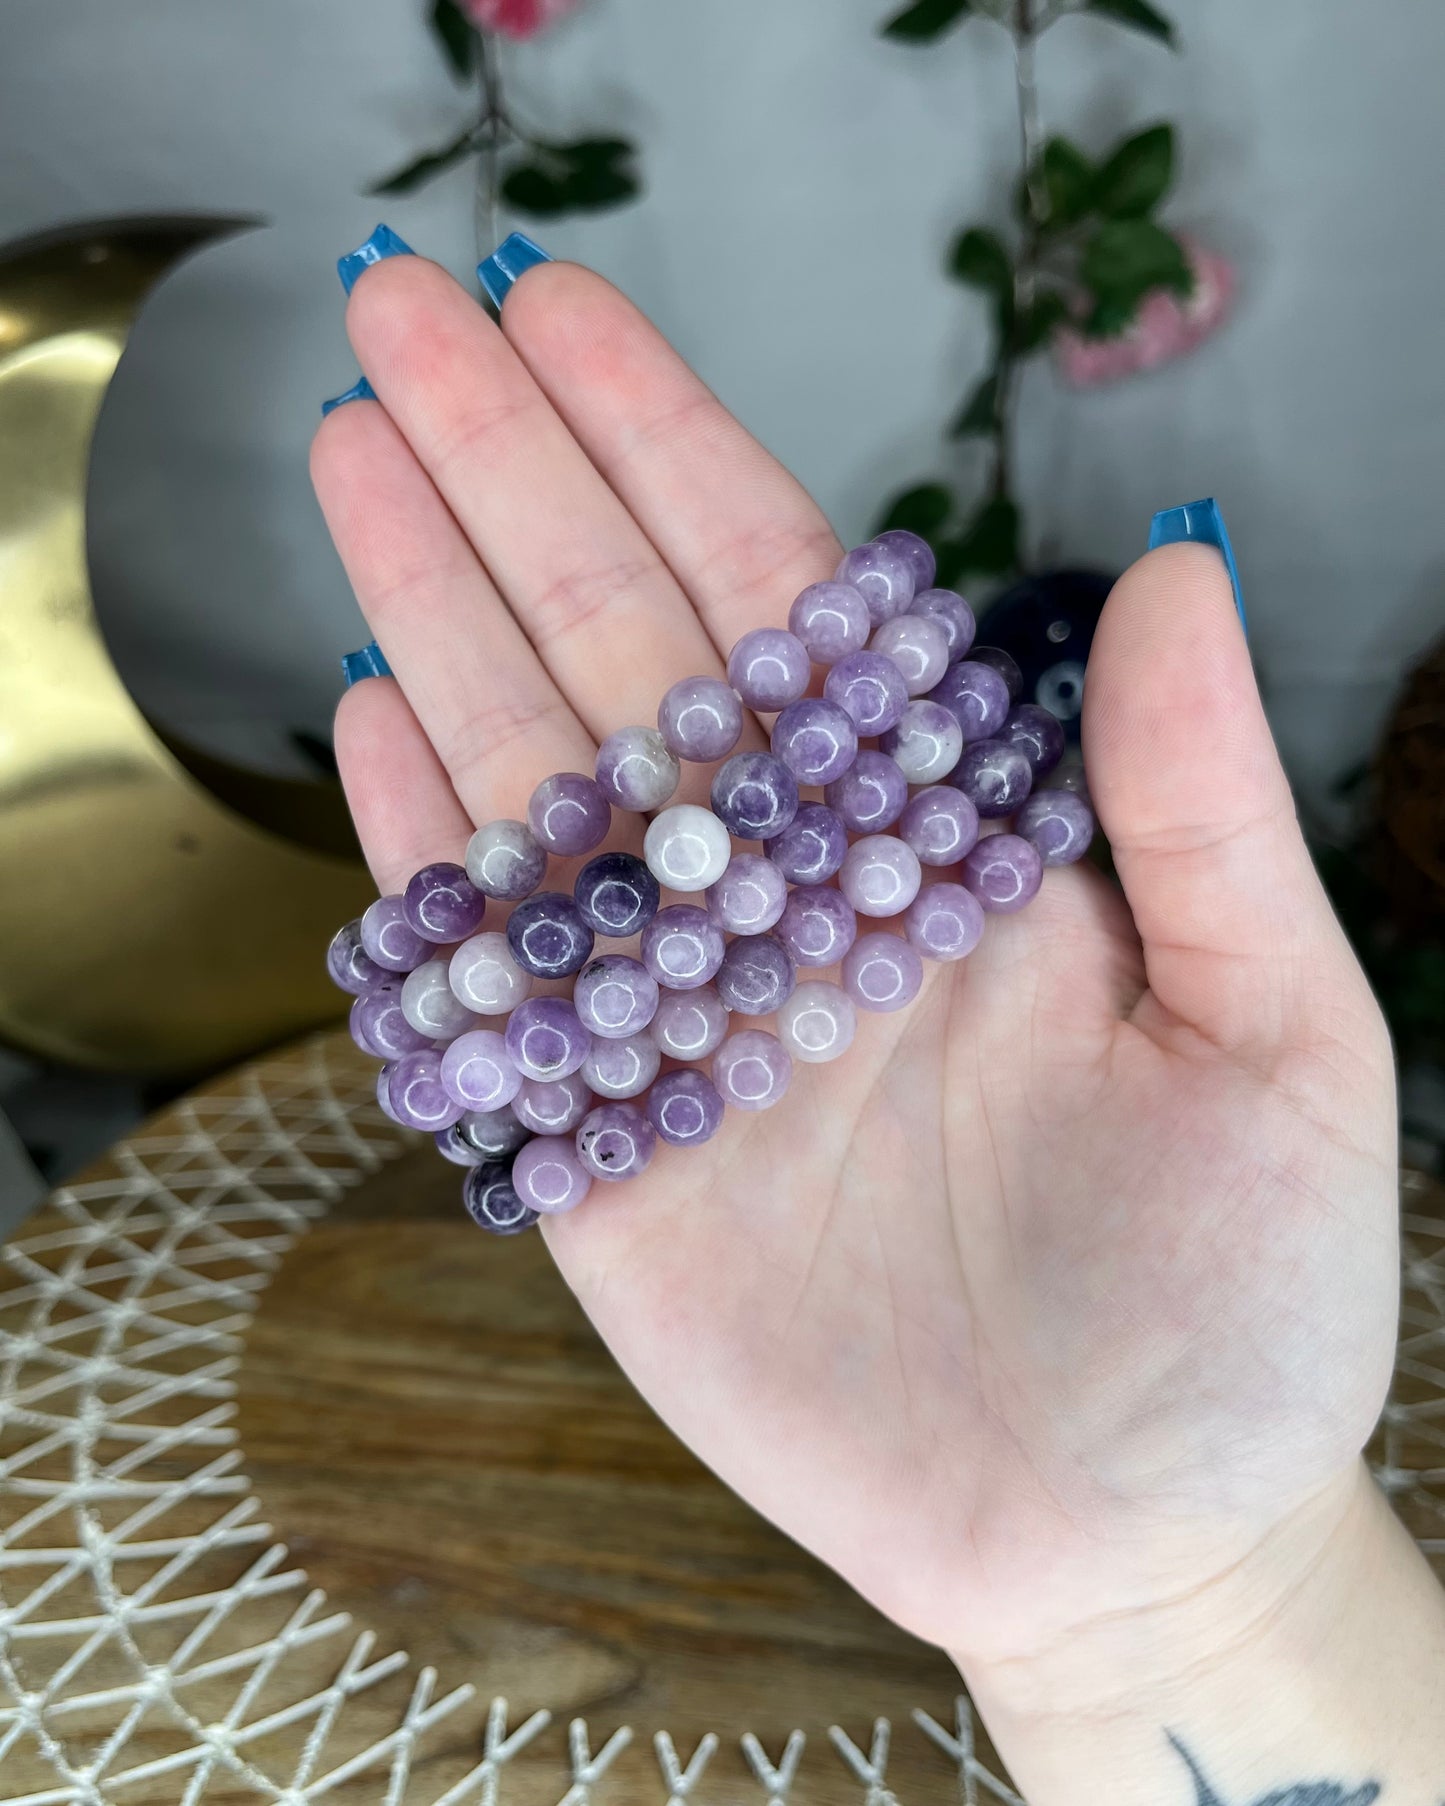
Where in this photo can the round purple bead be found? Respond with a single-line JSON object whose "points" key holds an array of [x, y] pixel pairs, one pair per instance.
{"points": [[379, 1024], [882, 575], [623, 1068], [818, 926], [871, 688], [1037, 735], [701, 719], [442, 904], [756, 976], [944, 922], [940, 824], [750, 895], [568, 813], [548, 1176], [682, 947], [976, 696], [685, 1108], [1058, 824], [952, 614], [615, 996], [994, 776], [617, 895], [383, 1092], [769, 668], [1004, 663], [881, 875], [492, 1202], [689, 1024], [349, 966], [549, 936], [478, 1072], [491, 1134], [616, 1141], [418, 1097], [921, 562], [815, 739], [552, 1106], [389, 938], [546, 1038], [1004, 872], [882, 972], [504, 860], [919, 648], [811, 847], [754, 795], [869, 796], [832, 620], [637, 769], [752, 1069], [926, 743], [453, 1146]]}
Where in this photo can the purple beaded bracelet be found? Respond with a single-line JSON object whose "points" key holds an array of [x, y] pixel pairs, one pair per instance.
{"points": [[537, 1096]]}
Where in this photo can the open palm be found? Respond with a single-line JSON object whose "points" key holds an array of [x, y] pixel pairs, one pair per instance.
{"points": [[1077, 1273]]}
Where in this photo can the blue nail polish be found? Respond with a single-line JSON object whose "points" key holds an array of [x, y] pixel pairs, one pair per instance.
{"points": [[369, 662], [382, 244], [361, 390], [1203, 524], [498, 272]]}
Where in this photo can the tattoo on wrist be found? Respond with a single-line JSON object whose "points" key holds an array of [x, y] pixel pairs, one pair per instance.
{"points": [[1299, 1793]]}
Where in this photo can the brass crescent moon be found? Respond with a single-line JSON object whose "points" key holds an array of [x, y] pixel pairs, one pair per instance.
{"points": [[153, 918]]}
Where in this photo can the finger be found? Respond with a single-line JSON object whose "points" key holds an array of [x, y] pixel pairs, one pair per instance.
{"points": [[405, 810], [1239, 940], [740, 533]]}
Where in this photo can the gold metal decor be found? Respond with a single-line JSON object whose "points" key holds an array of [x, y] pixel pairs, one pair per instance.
{"points": [[158, 913]]}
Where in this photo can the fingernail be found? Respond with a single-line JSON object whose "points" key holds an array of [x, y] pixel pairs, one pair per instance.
{"points": [[382, 244], [498, 272], [1202, 523], [369, 662], [361, 390]]}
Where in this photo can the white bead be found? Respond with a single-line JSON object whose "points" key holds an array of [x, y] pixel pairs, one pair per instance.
{"points": [[687, 848], [817, 1022], [486, 978], [431, 1006], [919, 648]]}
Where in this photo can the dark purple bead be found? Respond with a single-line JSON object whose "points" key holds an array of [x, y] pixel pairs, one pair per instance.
{"points": [[869, 797], [754, 795], [815, 739], [756, 976], [616, 1141], [976, 696], [617, 895], [882, 575], [769, 668], [940, 824], [389, 938], [493, 1134], [1004, 872], [818, 926], [379, 1025], [349, 966], [418, 1096], [952, 614], [568, 814], [871, 688], [546, 1039], [452, 1145], [1058, 824], [921, 562], [549, 936], [492, 1202], [442, 904], [1004, 663], [685, 1108], [994, 776], [682, 947], [1037, 735], [811, 848], [701, 719]]}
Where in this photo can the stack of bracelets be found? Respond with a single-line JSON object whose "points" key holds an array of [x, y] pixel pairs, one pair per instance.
{"points": [[567, 1091]]}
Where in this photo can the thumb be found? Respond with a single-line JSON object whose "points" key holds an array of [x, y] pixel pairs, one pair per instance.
{"points": [[1239, 939]]}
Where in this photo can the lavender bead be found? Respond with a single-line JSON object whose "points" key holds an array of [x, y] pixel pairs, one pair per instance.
{"points": [[568, 814], [616, 1141], [1037, 735], [769, 668], [976, 696], [442, 904], [552, 1106], [754, 796], [689, 1024], [682, 947], [615, 996], [871, 688], [492, 1202], [944, 922], [637, 769], [1004, 872], [623, 1068], [383, 1092], [871, 795], [685, 1108], [1004, 663], [701, 719], [430, 1005], [953, 615], [752, 1070], [818, 1022], [994, 776], [491, 1134], [756, 976], [918, 552], [881, 875], [546, 1038], [919, 648], [882, 972], [504, 860], [926, 743], [687, 847], [617, 895], [349, 966], [548, 935], [940, 824], [832, 620], [479, 1073], [882, 575], [818, 926], [750, 895], [485, 977], [815, 739], [1057, 824], [389, 938], [379, 1025], [418, 1097], [811, 848], [549, 1178]]}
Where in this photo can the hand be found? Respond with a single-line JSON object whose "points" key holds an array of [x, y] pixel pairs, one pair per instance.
{"points": [[1069, 1284]]}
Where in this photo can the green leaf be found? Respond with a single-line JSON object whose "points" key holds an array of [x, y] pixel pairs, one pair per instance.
{"points": [[582, 177], [1139, 15], [990, 547], [980, 258], [456, 35], [978, 415], [1048, 311], [1136, 176], [1068, 181], [421, 169], [921, 510], [926, 20], [1122, 262]]}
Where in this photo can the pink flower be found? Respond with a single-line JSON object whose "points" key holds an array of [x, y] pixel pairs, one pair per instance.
{"points": [[515, 18], [1167, 326]]}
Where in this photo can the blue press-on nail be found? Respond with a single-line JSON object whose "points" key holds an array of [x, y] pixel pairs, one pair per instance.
{"points": [[382, 244], [1202, 523], [369, 662], [360, 390], [498, 272]]}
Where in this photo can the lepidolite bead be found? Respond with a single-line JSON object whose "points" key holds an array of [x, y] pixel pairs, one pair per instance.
{"points": [[769, 668], [546, 1038], [870, 688], [568, 814], [1004, 872], [870, 795], [811, 848], [689, 1024], [1058, 824], [492, 1202], [682, 947], [919, 648], [944, 922], [491, 1134], [623, 1068], [921, 562], [881, 875], [994, 776], [976, 696], [752, 1070], [379, 1025], [815, 739], [953, 615], [1038, 736], [349, 966], [485, 977], [549, 936], [552, 1106], [417, 1095], [832, 620], [504, 860], [926, 742], [818, 926], [882, 575], [615, 996], [451, 1146], [442, 904], [882, 972], [701, 719], [617, 895], [1004, 663], [818, 1022], [754, 796], [687, 847], [390, 939], [383, 1092], [750, 895], [616, 1141], [429, 1003], [756, 976], [548, 1176], [685, 1108], [478, 1072], [637, 769], [940, 824]]}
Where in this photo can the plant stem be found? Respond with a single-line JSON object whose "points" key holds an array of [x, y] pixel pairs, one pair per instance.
{"points": [[491, 127]]}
